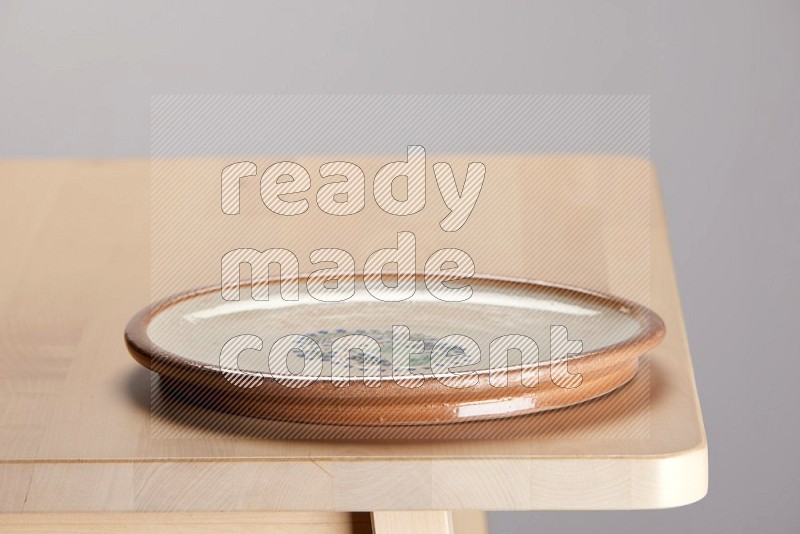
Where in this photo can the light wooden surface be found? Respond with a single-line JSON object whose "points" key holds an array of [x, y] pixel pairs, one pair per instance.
{"points": [[190, 523], [403, 522], [77, 435], [462, 522]]}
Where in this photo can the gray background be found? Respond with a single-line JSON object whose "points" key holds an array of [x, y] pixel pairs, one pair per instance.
{"points": [[76, 80]]}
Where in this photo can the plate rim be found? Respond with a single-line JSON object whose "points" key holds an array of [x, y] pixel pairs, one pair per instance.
{"points": [[143, 349]]}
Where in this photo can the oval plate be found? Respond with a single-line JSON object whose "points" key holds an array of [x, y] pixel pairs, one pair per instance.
{"points": [[182, 337]]}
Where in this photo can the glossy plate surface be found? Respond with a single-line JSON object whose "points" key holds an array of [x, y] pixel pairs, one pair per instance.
{"points": [[282, 364]]}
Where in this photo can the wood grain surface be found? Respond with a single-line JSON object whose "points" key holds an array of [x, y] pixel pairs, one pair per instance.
{"points": [[77, 433]]}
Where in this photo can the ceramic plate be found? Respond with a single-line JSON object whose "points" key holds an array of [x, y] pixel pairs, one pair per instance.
{"points": [[290, 360]]}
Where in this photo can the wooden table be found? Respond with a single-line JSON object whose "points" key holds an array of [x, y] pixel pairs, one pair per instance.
{"points": [[77, 441]]}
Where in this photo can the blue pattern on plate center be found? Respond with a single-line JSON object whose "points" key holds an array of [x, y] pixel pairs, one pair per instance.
{"points": [[420, 363]]}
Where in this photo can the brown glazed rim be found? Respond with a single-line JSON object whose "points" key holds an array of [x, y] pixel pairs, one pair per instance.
{"points": [[603, 369]]}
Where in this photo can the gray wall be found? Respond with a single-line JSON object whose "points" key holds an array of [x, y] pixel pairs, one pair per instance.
{"points": [[76, 80]]}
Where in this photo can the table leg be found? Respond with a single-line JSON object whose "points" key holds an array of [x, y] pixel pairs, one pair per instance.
{"points": [[420, 522], [425, 522], [470, 522]]}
